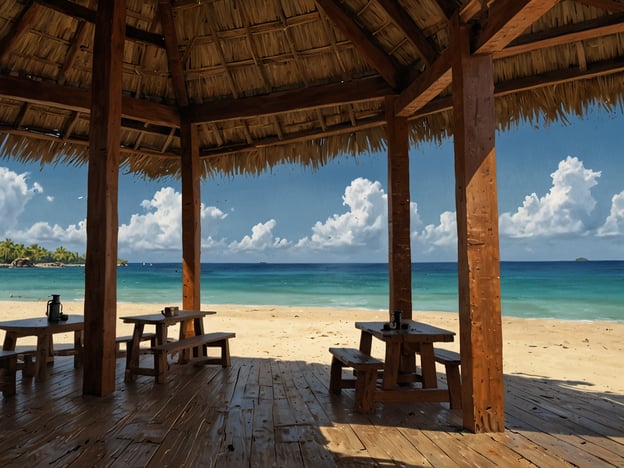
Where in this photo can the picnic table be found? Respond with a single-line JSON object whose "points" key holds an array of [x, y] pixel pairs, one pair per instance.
{"points": [[188, 340], [44, 329]]}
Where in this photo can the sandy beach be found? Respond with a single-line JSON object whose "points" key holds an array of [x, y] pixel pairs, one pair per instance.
{"points": [[585, 355]]}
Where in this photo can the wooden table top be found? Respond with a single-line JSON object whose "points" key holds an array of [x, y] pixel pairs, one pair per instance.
{"points": [[42, 324], [415, 332], [153, 319]]}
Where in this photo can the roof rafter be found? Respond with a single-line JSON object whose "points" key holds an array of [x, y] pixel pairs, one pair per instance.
{"points": [[363, 42], [512, 17], [607, 5], [176, 68], [86, 14], [411, 30], [21, 26]]}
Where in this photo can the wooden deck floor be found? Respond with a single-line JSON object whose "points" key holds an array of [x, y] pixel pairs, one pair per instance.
{"points": [[265, 412]]}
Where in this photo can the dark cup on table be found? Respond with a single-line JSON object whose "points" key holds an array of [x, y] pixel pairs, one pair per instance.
{"points": [[170, 311]]}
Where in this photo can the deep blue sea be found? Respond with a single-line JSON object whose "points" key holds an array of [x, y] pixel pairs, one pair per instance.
{"points": [[591, 290]]}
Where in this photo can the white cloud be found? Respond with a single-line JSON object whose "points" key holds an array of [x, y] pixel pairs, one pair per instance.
{"points": [[73, 237], [160, 227], [14, 196], [50, 198], [565, 209], [261, 239], [614, 224], [363, 225], [443, 235]]}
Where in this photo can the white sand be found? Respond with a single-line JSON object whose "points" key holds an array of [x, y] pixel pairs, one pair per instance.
{"points": [[587, 355]]}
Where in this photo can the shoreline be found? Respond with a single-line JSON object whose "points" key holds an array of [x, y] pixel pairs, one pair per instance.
{"points": [[584, 355]]}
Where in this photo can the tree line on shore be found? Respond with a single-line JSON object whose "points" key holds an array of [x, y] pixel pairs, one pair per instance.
{"points": [[10, 251]]}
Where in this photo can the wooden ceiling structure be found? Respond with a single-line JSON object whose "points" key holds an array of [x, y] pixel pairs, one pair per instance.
{"points": [[192, 88]]}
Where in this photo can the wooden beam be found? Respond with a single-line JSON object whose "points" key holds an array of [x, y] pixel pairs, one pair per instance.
{"points": [[507, 20], [74, 50], [176, 68], [607, 5], [427, 86], [365, 44], [100, 305], [566, 34], [80, 12], [399, 248], [22, 24], [411, 30], [474, 127], [79, 99], [287, 101], [191, 219]]}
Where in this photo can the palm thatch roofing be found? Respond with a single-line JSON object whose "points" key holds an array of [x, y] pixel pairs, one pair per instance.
{"points": [[301, 81]]}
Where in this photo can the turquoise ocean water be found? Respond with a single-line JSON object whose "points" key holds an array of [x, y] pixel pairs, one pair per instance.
{"points": [[591, 290]]}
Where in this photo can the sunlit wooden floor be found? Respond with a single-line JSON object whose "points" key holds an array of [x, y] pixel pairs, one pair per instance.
{"points": [[264, 412]]}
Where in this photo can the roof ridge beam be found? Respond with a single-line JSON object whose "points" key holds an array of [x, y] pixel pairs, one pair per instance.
{"points": [[176, 69]]}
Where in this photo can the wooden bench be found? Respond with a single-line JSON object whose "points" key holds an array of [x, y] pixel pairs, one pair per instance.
{"points": [[9, 367], [364, 381], [203, 342], [127, 340], [451, 361]]}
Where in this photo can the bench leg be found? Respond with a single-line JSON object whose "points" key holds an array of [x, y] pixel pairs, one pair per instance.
{"points": [[454, 385], [335, 378], [9, 371], [364, 391]]}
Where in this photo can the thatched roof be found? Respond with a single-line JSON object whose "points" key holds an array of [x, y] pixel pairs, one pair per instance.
{"points": [[298, 81]]}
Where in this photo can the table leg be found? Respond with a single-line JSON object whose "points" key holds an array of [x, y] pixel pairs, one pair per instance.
{"points": [[161, 339], [132, 361], [10, 340], [366, 341], [78, 349], [391, 366], [43, 352], [427, 362]]}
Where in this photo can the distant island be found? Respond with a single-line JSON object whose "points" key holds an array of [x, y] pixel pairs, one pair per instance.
{"points": [[582, 259]]}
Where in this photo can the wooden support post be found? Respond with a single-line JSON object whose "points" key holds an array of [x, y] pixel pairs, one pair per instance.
{"points": [[477, 235], [399, 250], [100, 306], [191, 221]]}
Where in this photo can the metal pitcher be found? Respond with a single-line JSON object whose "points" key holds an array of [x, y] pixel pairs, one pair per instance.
{"points": [[54, 311]]}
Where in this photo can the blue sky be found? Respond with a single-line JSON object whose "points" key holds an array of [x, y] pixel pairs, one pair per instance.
{"points": [[560, 189]]}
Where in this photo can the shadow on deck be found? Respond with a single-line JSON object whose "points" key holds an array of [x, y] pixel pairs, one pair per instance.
{"points": [[266, 412]]}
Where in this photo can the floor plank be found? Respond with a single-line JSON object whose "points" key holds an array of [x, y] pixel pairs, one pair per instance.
{"points": [[268, 412]]}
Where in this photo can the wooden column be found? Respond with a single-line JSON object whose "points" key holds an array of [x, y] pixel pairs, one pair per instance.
{"points": [[477, 235], [399, 251], [191, 220], [100, 307]]}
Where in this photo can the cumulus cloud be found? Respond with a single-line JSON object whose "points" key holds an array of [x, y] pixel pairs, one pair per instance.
{"points": [[72, 237], [444, 235], [160, 227], [15, 193], [565, 209], [362, 225], [261, 239], [614, 224]]}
